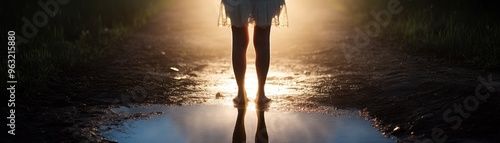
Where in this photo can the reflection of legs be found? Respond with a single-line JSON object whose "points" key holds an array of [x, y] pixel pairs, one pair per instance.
{"points": [[263, 54], [240, 44], [239, 134], [261, 136]]}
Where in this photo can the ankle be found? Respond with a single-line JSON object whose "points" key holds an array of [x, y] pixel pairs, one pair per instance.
{"points": [[241, 93], [261, 93]]}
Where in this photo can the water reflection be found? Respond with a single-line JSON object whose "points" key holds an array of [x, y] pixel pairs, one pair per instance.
{"points": [[217, 124], [261, 135], [239, 134]]}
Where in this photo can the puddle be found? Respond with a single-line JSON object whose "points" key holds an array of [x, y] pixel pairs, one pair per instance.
{"points": [[209, 123]]}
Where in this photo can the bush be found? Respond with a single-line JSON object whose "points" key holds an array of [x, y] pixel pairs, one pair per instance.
{"points": [[76, 35], [460, 30]]}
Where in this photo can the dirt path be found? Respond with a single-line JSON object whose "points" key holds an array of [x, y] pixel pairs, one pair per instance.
{"points": [[181, 57]]}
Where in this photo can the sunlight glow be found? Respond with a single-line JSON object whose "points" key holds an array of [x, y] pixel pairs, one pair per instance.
{"points": [[278, 84], [285, 78]]}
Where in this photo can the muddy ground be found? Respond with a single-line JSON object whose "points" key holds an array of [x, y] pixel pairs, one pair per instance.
{"points": [[176, 60]]}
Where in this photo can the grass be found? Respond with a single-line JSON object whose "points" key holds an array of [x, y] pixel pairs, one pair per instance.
{"points": [[454, 30], [77, 35]]}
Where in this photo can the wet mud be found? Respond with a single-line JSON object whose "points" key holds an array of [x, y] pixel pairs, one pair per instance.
{"points": [[186, 61]]}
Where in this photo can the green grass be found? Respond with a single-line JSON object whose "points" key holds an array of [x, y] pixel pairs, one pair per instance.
{"points": [[450, 38], [76, 36], [454, 30]]}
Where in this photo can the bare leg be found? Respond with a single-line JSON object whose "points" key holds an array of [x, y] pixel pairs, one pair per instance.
{"points": [[240, 44], [263, 56], [239, 134], [261, 135]]}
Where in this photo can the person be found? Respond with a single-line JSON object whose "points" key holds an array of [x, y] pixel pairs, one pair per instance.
{"points": [[239, 133], [261, 135], [262, 14]]}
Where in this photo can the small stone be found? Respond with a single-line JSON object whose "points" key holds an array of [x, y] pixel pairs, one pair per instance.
{"points": [[397, 131], [174, 69], [307, 72], [218, 95]]}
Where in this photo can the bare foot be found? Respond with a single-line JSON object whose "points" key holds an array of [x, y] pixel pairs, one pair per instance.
{"points": [[241, 98], [262, 99], [238, 100]]}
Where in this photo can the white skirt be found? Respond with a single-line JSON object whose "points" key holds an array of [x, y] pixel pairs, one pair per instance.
{"points": [[262, 13]]}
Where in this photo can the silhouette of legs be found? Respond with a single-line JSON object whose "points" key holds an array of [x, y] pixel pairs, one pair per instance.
{"points": [[261, 135], [240, 44], [263, 55], [261, 42], [239, 134]]}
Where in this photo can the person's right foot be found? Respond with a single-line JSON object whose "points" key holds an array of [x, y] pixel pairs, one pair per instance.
{"points": [[241, 98]]}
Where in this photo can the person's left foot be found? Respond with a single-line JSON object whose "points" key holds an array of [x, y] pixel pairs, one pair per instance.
{"points": [[262, 99]]}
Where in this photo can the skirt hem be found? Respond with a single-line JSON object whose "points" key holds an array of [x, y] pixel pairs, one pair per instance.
{"points": [[260, 13]]}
